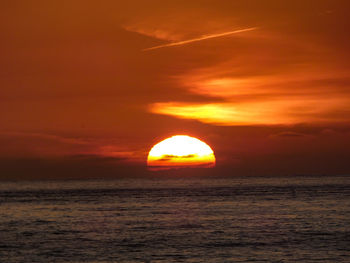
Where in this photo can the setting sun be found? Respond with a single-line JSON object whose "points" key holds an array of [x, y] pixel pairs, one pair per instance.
{"points": [[180, 151]]}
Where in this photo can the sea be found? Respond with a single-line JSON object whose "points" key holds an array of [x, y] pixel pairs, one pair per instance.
{"points": [[238, 219]]}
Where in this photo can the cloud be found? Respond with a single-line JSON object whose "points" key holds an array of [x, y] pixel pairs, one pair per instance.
{"points": [[69, 167], [273, 80], [168, 157], [289, 134], [75, 82], [31, 144], [206, 37], [268, 111], [44, 136]]}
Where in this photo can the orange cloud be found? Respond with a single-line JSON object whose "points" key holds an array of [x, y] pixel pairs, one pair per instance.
{"points": [[269, 112], [265, 86]]}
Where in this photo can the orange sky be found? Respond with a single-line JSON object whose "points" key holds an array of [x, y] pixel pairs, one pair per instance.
{"points": [[265, 83]]}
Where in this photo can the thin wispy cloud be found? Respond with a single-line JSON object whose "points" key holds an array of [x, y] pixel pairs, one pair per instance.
{"points": [[184, 42]]}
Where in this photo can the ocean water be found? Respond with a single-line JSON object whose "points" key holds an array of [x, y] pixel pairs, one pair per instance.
{"points": [[250, 219]]}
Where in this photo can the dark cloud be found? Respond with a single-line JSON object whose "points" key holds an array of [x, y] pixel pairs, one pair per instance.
{"points": [[72, 167], [288, 134], [181, 156]]}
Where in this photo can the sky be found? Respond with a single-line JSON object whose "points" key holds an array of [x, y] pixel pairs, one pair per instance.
{"points": [[88, 88]]}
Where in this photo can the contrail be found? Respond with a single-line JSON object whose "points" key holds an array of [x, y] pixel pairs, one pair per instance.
{"points": [[201, 38]]}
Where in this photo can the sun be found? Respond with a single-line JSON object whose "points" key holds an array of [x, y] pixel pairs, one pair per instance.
{"points": [[180, 151]]}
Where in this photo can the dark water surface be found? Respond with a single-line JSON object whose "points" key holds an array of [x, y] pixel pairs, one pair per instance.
{"points": [[295, 219]]}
